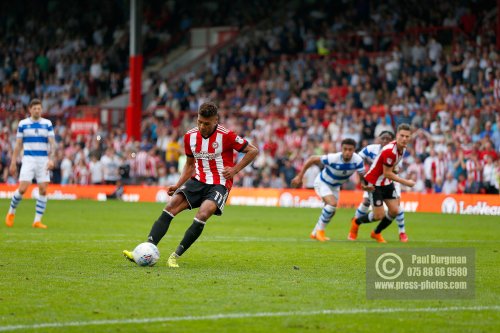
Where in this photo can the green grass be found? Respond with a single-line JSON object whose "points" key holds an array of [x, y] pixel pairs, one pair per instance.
{"points": [[251, 260]]}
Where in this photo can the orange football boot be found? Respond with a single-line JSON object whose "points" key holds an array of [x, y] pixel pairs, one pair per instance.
{"points": [[353, 233], [320, 235], [378, 237], [39, 225], [9, 220]]}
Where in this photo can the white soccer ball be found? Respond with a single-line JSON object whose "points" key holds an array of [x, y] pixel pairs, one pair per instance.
{"points": [[146, 254]]}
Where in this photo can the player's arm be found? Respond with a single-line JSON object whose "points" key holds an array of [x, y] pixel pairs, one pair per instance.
{"points": [[297, 180], [250, 152], [52, 153], [361, 173], [187, 172], [364, 184], [13, 162], [390, 174]]}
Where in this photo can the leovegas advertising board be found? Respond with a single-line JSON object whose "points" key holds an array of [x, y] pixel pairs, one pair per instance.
{"points": [[473, 204], [75, 192]]}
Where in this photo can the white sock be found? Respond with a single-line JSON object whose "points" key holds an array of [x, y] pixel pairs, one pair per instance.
{"points": [[14, 202], [325, 217], [362, 210], [41, 204], [400, 219]]}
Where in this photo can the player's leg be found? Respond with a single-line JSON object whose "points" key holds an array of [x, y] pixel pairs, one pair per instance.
{"points": [[400, 217], [330, 196], [364, 206], [14, 202], [41, 205], [376, 200], [207, 209], [214, 199], [392, 210], [42, 175], [181, 200], [161, 225], [327, 214], [26, 175]]}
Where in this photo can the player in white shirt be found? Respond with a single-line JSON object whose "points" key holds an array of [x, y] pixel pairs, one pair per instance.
{"points": [[35, 135], [338, 168], [368, 154]]}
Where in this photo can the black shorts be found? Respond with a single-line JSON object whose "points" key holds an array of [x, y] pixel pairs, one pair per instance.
{"points": [[196, 192], [382, 193]]}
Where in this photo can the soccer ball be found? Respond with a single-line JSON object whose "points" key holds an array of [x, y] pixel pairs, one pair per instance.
{"points": [[146, 254]]}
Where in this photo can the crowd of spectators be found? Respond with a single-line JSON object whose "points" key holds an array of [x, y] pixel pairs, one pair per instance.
{"points": [[73, 54], [314, 78]]}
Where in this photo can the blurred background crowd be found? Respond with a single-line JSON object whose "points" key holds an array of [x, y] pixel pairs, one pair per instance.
{"points": [[295, 84]]}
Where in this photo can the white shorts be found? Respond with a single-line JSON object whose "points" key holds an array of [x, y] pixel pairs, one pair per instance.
{"points": [[323, 189], [397, 188], [35, 169]]}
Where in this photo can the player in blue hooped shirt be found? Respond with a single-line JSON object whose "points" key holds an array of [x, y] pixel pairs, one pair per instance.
{"points": [[338, 168], [35, 136]]}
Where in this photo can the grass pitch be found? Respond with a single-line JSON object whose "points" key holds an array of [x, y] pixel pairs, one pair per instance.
{"points": [[253, 270]]}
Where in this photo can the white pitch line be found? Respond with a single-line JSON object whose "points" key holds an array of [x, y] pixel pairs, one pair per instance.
{"points": [[243, 316], [223, 239]]}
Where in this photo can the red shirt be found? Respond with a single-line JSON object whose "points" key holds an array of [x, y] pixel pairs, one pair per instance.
{"points": [[389, 156], [213, 154]]}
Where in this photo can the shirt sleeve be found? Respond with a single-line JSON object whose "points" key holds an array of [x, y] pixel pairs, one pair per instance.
{"points": [[236, 142], [388, 158], [187, 146], [19, 133], [324, 159], [363, 153], [360, 168], [50, 129]]}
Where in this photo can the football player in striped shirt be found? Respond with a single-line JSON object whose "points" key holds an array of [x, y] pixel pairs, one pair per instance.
{"points": [[382, 176], [338, 168], [35, 136], [206, 179], [368, 154]]}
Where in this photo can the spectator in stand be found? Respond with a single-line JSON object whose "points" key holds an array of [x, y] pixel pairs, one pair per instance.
{"points": [[111, 164], [382, 126], [450, 93], [66, 169], [96, 170], [490, 176], [450, 185], [471, 185]]}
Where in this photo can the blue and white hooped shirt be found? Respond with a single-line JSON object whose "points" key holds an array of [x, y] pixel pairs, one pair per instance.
{"points": [[337, 171], [35, 136]]}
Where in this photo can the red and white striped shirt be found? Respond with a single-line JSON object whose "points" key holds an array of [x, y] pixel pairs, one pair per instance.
{"points": [[473, 168], [213, 154], [438, 169], [389, 156], [140, 167]]}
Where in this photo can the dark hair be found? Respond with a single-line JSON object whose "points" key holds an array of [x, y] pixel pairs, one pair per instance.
{"points": [[388, 133], [348, 141], [208, 110], [35, 101], [404, 127]]}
